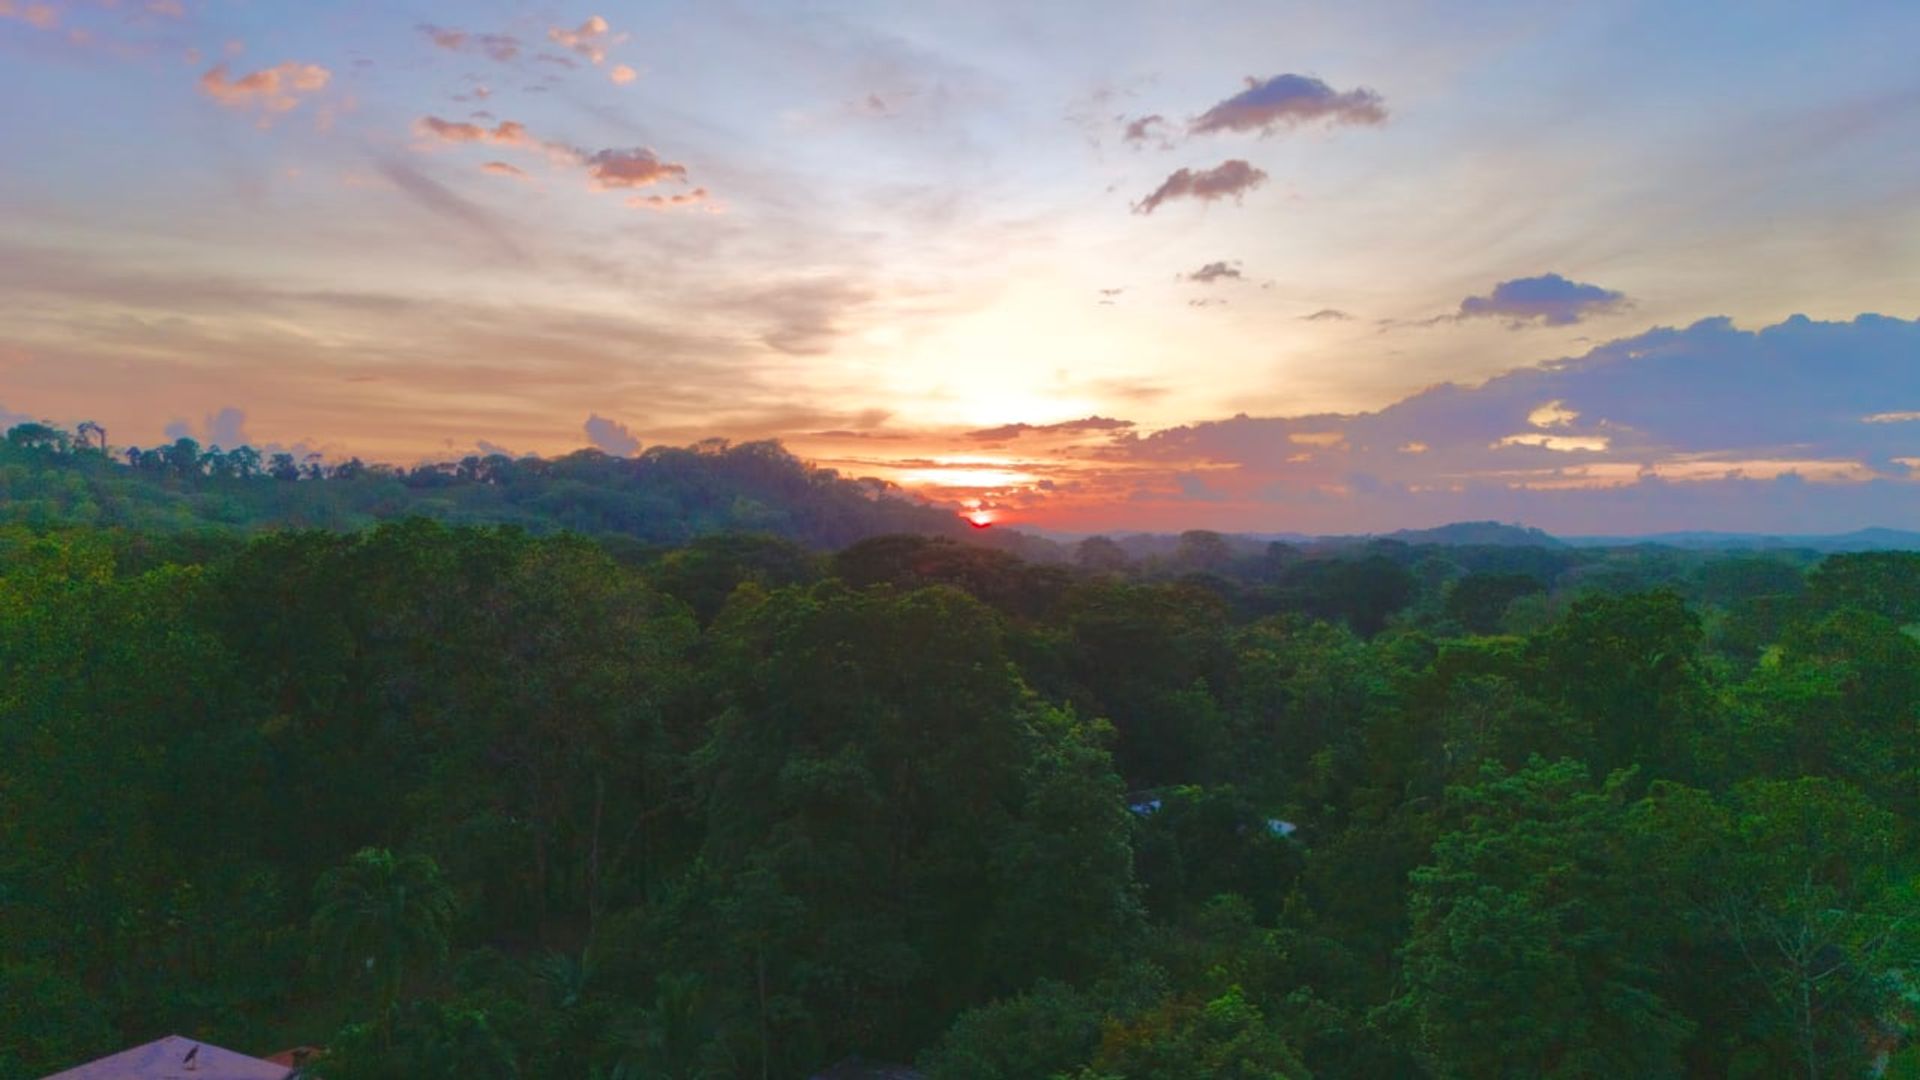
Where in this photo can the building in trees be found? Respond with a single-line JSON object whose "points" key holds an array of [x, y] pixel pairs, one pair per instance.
{"points": [[175, 1056]]}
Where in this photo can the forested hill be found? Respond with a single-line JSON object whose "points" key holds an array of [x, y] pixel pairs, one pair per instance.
{"points": [[666, 495]]}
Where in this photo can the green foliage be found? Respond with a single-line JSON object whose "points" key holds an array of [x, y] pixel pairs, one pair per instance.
{"points": [[1627, 667], [380, 917], [1478, 601], [453, 799], [47, 1021], [428, 1041], [1049, 1029], [1222, 1038], [1531, 951], [1886, 583]]}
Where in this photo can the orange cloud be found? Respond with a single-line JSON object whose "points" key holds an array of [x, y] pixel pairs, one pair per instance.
{"points": [[590, 39], [501, 168], [274, 89], [39, 16], [505, 133], [622, 74], [607, 170]]}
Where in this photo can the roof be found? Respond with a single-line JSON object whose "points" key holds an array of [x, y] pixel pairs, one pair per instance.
{"points": [[166, 1059]]}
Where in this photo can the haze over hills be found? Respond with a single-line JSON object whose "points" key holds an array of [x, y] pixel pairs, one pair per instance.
{"points": [[663, 495]]}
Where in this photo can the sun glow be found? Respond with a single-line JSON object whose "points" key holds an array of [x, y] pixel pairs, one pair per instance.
{"points": [[967, 471]]}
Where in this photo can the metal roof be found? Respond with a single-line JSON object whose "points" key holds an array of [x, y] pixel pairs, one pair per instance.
{"points": [[168, 1059]]}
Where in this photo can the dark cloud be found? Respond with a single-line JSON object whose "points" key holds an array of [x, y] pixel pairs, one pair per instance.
{"points": [[1287, 101], [1327, 315], [611, 436], [1065, 427], [1214, 271], [1549, 299], [634, 168], [1229, 179]]}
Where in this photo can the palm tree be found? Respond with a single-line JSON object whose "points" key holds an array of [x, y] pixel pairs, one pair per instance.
{"points": [[380, 915]]}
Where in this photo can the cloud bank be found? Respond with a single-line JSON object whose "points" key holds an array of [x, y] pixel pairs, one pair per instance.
{"points": [[1801, 426]]}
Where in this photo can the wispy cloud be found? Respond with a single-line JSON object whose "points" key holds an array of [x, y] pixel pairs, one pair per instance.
{"points": [[1085, 426], [607, 170], [448, 205], [1229, 179], [678, 201], [499, 47]]}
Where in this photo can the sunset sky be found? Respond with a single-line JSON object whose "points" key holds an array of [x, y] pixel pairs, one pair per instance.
{"points": [[1600, 268]]}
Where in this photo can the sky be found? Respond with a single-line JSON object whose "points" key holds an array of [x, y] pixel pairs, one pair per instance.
{"points": [[1268, 267]]}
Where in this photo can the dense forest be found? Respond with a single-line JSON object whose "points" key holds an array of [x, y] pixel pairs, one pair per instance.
{"points": [[645, 795]]}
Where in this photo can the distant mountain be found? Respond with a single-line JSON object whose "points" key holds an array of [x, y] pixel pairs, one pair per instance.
{"points": [[1872, 539], [1478, 534]]}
